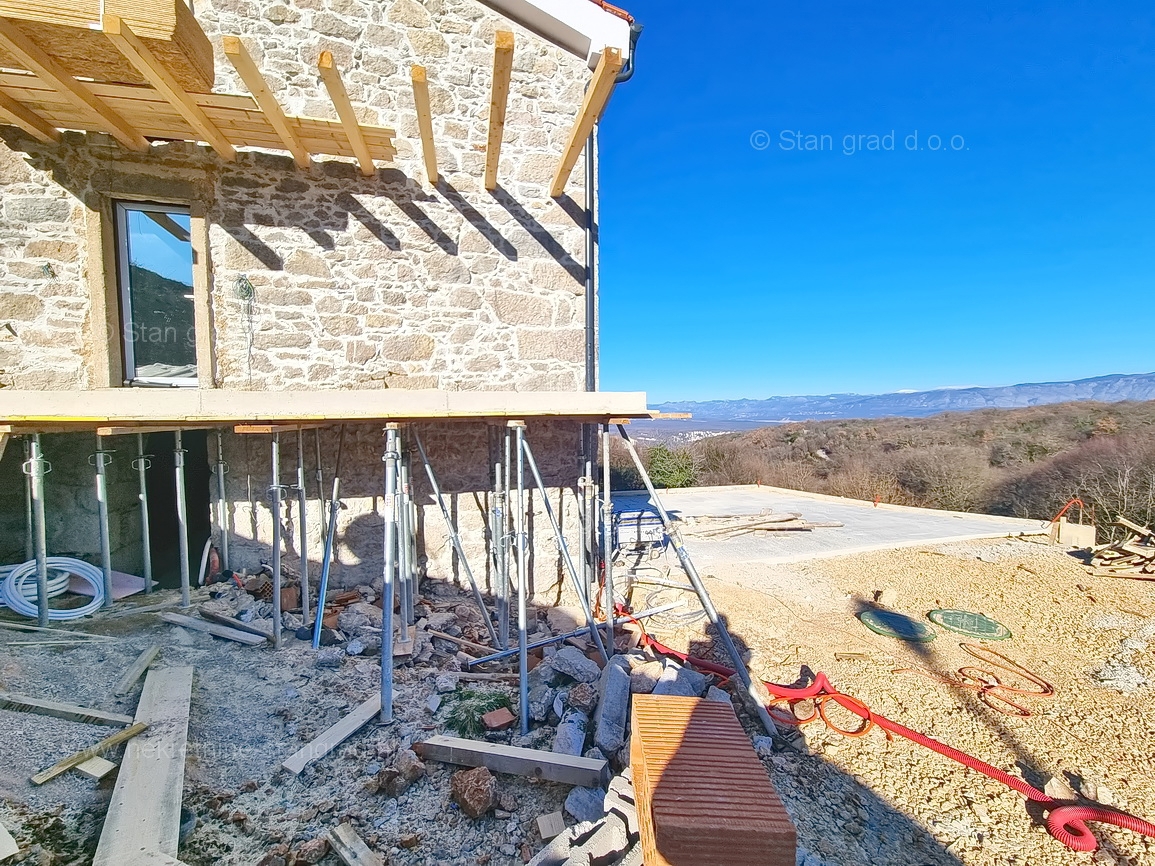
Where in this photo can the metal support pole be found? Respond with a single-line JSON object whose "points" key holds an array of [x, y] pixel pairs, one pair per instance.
{"points": [[497, 535], [404, 584], [595, 635], [455, 538], [222, 502], [607, 545], [330, 535], [391, 458], [303, 524], [29, 542], [36, 468], [275, 494], [675, 537], [101, 463], [178, 453], [507, 536], [141, 464], [522, 578]]}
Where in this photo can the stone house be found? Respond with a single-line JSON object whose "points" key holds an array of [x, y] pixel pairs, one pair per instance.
{"points": [[303, 214]]}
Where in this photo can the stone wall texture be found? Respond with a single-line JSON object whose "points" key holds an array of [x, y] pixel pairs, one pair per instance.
{"points": [[323, 278]]}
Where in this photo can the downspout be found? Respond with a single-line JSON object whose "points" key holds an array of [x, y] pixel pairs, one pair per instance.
{"points": [[591, 227]]}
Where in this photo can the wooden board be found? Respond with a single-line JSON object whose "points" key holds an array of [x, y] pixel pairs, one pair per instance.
{"points": [[84, 754], [136, 670], [96, 768], [215, 630], [334, 736], [585, 772], [351, 849], [73, 713], [236, 624], [8, 845], [144, 814]]}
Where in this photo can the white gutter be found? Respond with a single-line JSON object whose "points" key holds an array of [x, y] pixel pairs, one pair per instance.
{"points": [[581, 27]]}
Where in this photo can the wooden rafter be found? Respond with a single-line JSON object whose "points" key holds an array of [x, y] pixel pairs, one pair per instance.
{"points": [[140, 56], [424, 121], [498, 98], [13, 40], [13, 112], [594, 103], [242, 61], [331, 76]]}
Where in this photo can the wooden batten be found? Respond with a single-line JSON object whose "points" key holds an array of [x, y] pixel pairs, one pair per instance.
{"points": [[424, 121], [13, 41], [594, 103], [498, 99], [242, 61], [139, 54], [331, 77], [16, 114]]}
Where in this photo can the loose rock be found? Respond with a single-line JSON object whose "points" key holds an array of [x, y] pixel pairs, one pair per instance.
{"points": [[475, 791], [570, 661]]}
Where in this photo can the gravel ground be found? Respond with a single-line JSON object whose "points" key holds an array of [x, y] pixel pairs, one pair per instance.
{"points": [[855, 801], [869, 801]]}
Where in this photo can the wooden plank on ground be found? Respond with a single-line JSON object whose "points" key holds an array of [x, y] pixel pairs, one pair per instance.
{"points": [[334, 736], [215, 630], [233, 623], [571, 770], [8, 845], [136, 670], [96, 768], [71, 712], [84, 754], [143, 820], [351, 849]]}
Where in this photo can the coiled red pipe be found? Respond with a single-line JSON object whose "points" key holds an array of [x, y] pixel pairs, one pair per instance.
{"points": [[1065, 821]]}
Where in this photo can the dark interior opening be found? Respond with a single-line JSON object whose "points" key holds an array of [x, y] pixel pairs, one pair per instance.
{"points": [[162, 515]]}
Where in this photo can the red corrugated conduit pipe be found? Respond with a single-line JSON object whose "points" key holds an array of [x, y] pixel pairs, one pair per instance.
{"points": [[1065, 821]]}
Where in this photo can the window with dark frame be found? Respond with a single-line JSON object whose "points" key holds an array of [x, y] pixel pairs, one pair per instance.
{"points": [[155, 274]]}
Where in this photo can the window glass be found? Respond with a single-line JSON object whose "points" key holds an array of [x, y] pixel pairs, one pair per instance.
{"points": [[155, 264]]}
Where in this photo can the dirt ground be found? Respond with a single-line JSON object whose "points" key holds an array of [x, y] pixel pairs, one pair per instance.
{"points": [[855, 801]]}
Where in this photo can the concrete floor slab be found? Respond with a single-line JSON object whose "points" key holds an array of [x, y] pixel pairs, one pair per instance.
{"points": [[866, 527]]}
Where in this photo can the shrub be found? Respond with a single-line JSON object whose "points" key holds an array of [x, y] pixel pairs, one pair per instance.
{"points": [[671, 468]]}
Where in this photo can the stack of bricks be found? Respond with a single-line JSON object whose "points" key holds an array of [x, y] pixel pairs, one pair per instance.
{"points": [[703, 795]]}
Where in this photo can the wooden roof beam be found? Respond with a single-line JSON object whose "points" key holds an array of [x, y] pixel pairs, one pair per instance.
{"points": [[424, 121], [242, 61], [140, 56], [29, 54], [15, 113], [498, 98], [331, 76], [594, 103]]}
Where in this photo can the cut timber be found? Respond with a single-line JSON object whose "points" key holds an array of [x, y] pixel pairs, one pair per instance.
{"points": [[593, 104], [91, 752], [29, 54], [207, 407], [16, 114], [96, 768], [703, 796], [235, 624], [351, 849], [334, 736], [73, 713], [340, 97], [424, 121], [213, 629], [584, 772], [137, 53], [550, 825], [70, 32], [242, 61], [498, 99], [144, 814], [136, 670], [8, 845]]}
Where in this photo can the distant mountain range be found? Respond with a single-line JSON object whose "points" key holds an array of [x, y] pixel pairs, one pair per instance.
{"points": [[916, 404]]}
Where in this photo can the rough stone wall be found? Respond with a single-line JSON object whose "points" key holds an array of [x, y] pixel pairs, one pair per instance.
{"points": [[355, 282]]}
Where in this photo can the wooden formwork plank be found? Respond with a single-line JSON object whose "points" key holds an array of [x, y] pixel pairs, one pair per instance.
{"points": [[586, 772], [71, 712], [334, 736]]}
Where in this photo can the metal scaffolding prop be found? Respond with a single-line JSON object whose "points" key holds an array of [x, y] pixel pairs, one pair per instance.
{"points": [[36, 467], [141, 463], [178, 454], [392, 458], [522, 576], [455, 538], [330, 535], [275, 493], [303, 524], [675, 537], [100, 460]]}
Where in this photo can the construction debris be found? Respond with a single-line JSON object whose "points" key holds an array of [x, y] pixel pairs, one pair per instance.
{"points": [[91, 752], [8, 845], [1133, 557], [733, 527], [585, 772], [71, 712]]}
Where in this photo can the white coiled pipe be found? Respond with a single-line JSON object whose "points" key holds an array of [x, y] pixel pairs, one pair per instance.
{"points": [[13, 588]]}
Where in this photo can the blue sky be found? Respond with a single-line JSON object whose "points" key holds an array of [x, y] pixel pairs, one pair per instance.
{"points": [[736, 264]]}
